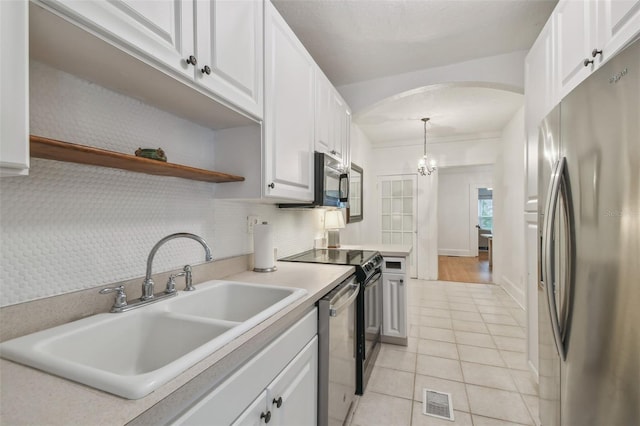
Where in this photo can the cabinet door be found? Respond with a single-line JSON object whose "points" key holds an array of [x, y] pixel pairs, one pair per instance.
{"points": [[14, 86], [229, 41], [346, 138], [160, 31], [256, 414], [394, 310], [619, 21], [541, 94], [323, 113], [295, 390], [338, 117], [575, 23], [289, 112]]}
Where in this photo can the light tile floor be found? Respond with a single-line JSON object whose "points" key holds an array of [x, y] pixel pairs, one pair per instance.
{"points": [[465, 339]]}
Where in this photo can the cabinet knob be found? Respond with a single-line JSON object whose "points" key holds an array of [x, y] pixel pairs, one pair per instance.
{"points": [[588, 62], [401, 281], [206, 70], [271, 185], [596, 52], [266, 416], [192, 60], [278, 402]]}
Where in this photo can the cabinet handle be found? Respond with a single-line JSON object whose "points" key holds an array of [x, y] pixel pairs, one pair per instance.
{"points": [[401, 281], [588, 62], [271, 185], [596, 52], [266, 417], [278, 402], [206, 70], [192, 60]]}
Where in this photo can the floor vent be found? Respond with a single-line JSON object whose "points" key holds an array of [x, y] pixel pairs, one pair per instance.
{"points": [[437, 404]]}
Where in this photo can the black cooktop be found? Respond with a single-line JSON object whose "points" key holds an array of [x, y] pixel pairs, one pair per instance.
{"points": [[333, 256]]}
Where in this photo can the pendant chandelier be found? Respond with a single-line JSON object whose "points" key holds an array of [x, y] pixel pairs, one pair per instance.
{"points": [[426, 166]]}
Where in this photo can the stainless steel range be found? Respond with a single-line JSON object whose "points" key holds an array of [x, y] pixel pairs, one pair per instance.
{"points": [[369, 302]]}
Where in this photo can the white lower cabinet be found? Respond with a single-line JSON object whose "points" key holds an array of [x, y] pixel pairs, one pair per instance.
{"points": [[394, 300], [278, 386], [291, 398]]}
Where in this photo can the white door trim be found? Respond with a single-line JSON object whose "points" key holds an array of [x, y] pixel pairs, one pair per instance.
{"points": [[473, 216]]}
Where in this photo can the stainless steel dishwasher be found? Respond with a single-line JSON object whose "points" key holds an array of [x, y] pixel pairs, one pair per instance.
{"points": [[337, 340]]}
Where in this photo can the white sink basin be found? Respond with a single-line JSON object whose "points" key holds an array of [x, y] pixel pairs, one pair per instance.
{"points": [[233, 301], [133, 353]]}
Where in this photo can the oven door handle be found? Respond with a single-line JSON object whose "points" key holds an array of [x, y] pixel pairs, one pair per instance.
{"points": [[334, 311], [375, 277]]}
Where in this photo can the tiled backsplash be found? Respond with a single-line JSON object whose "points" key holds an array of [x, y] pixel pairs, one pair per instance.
{"points": [[68, 227]]}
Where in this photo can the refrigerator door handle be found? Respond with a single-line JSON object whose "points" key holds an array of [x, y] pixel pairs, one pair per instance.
{"points": [[551, 204]]}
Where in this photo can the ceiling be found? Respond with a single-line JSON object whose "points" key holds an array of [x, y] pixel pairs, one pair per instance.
{"points": [[455, 111], [359, 40]]}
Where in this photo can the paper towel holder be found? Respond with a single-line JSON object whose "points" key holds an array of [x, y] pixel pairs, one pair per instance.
{"points": [[269, 269]]}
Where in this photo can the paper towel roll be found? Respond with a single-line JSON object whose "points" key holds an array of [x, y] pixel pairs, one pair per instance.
{"points": [[263, 260]]}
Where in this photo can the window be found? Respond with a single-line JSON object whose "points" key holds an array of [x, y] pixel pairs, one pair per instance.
{"points": [[485, 213]]}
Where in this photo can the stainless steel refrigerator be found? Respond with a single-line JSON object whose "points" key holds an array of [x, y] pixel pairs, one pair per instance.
{"points": [[589, 221]]}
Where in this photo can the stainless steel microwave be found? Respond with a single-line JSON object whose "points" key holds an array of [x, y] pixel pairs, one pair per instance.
{"points": [[331, 184]]}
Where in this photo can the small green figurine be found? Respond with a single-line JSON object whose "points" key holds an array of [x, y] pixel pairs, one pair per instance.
{"points": [[153, 154]]}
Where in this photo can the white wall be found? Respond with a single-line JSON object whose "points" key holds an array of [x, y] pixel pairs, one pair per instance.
{"points": [[362, 154], [503, 71], [404, 160], [68, 227], [509, 263], [457, 185]]}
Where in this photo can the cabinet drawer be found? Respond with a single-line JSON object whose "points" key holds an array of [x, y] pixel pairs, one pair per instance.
{"points": [[395, 265]]}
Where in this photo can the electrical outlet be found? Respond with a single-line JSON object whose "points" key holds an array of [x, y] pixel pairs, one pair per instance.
{"points": [[251, 222]]}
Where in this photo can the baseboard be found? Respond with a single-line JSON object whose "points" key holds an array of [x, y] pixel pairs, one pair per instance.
{"points": [[512, 290], [401, 341], [455, 252]]}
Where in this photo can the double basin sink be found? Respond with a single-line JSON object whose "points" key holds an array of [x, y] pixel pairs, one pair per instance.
{"points": [[133, 353]]}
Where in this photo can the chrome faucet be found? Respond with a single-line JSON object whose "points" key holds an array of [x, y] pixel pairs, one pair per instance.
{"points": [[148, 284], [122, 305]]}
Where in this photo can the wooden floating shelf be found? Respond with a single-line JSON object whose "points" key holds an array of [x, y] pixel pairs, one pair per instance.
{"points": [[52, 149]]}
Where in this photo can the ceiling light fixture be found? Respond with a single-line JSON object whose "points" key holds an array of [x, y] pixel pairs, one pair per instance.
{"points": [[426, 166]]}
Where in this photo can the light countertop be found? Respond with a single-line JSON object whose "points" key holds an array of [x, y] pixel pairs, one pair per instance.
{"points": [[30, 396], [398, 250]]}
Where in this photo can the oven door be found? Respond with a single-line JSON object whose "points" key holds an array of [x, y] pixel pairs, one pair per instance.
{"points": [[372, 323]]}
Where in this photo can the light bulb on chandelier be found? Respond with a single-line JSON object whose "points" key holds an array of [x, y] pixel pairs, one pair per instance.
{"points": [[426, 166]]}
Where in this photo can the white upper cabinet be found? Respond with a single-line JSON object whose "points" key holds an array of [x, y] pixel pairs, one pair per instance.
{"points": [[289, 112], [575, 37], [333, 120], [229, 51], [14, 88], [214, 46], [159, 30], [589, 33], [323, 112]]}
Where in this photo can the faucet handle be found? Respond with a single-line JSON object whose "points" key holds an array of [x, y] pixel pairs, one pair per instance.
{"points": [[188, 278], [121, 297], [171, 284]]}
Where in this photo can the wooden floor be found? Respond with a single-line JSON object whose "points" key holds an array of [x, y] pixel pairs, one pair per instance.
{"points": [[465, 269]]}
